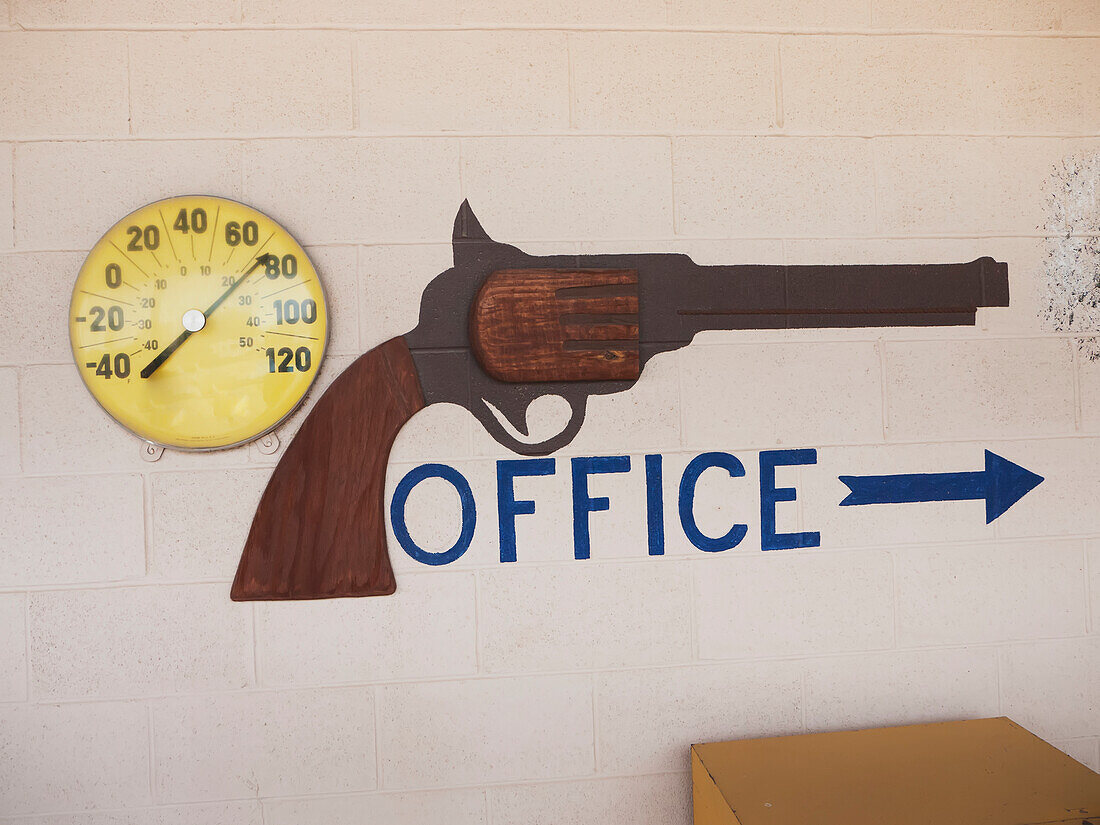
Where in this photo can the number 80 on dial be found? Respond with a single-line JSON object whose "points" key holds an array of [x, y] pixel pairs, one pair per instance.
{"points": [[198, 322]]}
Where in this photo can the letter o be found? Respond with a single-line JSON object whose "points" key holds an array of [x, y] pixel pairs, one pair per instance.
{"points": [[465, 497]]}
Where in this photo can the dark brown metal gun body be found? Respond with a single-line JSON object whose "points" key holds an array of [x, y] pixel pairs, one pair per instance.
{"points": [[502, 328]]}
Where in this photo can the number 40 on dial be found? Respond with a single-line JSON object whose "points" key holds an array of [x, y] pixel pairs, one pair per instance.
{"points": [[198, 323]]}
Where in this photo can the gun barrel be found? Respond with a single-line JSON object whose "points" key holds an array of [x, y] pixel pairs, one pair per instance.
{"points": [[793, 297]]}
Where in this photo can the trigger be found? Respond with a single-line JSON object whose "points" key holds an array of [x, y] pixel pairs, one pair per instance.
{"points": [[512, 418]]}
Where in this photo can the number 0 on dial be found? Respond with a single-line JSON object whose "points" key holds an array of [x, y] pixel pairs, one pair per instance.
{"points": [[198, 322]]}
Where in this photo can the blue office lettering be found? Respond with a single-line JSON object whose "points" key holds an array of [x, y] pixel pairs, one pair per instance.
{"points": [[688, 481], [466, 500], [770, 494], [583, 504], [507, 506], [654, 504]]}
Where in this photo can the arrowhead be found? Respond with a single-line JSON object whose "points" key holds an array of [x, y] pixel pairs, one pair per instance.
{"points": [[1006, 483], [467, 226]]}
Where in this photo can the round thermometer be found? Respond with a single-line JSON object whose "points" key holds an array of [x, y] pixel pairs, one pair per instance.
{"points": [[198, 323]]}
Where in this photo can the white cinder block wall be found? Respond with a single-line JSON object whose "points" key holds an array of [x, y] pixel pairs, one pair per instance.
{"points": [[549, 690]]}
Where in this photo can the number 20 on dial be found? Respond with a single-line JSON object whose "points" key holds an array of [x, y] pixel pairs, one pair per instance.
{"points": [[198, 322]]}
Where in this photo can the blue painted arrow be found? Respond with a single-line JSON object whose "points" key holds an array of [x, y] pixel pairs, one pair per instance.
{"points": [[1001, 484]]}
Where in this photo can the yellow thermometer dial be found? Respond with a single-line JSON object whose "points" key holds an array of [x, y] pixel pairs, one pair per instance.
{"points": [[198, 322]]}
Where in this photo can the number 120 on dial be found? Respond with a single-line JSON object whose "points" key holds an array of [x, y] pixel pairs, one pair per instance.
{"points": [[198, 322]]}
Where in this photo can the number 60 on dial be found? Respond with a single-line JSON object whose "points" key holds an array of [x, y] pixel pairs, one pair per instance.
{"points": [[198, 322]]}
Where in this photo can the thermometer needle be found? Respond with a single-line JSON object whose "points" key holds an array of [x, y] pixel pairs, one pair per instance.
{"points": [[154, 365]]}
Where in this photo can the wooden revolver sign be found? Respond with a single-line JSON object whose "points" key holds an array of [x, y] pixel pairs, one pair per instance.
{"points": [[502, 328]]}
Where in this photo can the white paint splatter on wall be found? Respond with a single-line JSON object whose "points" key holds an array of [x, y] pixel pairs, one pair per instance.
{"points": [[1071, 301]]}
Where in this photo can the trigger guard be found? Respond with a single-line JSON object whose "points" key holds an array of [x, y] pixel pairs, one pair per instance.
{"points": [[491, 423]]}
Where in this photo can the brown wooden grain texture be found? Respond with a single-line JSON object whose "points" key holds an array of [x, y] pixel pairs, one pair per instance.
{"points": [[557, 325], [320, 530]]}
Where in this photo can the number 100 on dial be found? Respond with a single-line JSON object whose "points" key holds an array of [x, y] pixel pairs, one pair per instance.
{"points": [[198, 322]]}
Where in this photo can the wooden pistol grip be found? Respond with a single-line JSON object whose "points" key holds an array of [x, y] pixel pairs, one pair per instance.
{"points": [[320, 530]]}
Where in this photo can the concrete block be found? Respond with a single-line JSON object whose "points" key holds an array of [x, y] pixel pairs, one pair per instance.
{"points": [[1051, 687], [144, 641], [872, 85], [74, 756], [1027, 261], [962, 185], [393, 279], [914, 687], [1088, 377], [1092, 564], [1062, 504], [9, 421], [101, 537], [647, 720], [264, 744], [761, 187], [357, 190], [425, 630], [214, 813], [764, 395], [1037, 85], [1080, 15], [67, 194], [225, 89], [459, 807], [7, 217], [962, 389], [785, 603], [438, 432], [986, 593], [201, 521], [785, 15], [337, 267], [504, 729], [661, 799], [618, 616], [1013, 15], [63, 83], [483, 81], [576, 188], [646, 13], [659, 81], [13, 647], [336, 12], [123, 14], [38, 287]]}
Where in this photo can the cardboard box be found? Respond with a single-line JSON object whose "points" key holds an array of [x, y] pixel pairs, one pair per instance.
{"points": [[980, 772]]}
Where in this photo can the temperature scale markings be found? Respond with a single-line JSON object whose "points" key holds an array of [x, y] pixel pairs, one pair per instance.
{"points": [[292, 335], [131, 260], [214, 234], [155, 258], [168, 234], [105, 298], [105, 343], [276, 292]]}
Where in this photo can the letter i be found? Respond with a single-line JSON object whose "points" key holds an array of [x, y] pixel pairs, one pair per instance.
{"points": [[655, 505]]}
